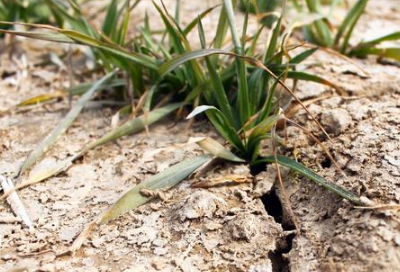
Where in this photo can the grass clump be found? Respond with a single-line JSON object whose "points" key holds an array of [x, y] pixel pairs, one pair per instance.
{"points": [[237, 89], [249, 115], [321, 32]]}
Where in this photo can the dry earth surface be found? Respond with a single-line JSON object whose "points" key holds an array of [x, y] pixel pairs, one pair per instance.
{"points": [[235, 227]]}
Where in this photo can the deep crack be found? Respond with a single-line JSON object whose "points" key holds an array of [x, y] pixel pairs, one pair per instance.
{"points": [[273, 206]]}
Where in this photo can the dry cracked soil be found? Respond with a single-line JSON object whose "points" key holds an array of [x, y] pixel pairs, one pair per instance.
{"points": [[233, 227]]}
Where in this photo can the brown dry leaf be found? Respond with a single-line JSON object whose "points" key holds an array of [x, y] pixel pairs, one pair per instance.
{"points": [[221, 181]]}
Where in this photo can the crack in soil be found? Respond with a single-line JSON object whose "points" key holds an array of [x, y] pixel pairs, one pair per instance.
{"points": [[273, 206]]}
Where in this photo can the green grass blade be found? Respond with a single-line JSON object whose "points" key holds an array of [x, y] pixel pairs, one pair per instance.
{"points": [[222, 29], [264, 126], [273, 43], [134, 125], [230, 14], [391, 52], [216, 83], [63, 125], [356, 17], [304, 171], [259, 133], [84, 87], [111, 19], [348, 24], [194, 22], [221, 124], [169, 66], [121, 34], [268, 106], [323, 33], [52, 37], [65, 35], [132, 56], [164, 180], [193, 71], [176, 38], [303, 56], [269, 55], [77, 21], [311, 77], [245, 24], [254, 41], [390, 37], [243, 101], [177, 16]]}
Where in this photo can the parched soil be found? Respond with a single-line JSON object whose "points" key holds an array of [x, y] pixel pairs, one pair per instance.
{"points": [[237, 226]]}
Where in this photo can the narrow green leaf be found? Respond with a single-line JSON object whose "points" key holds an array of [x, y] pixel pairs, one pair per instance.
{"points": [[311, 77], [164, 180], [264, 127], [259, 132], [245, 24], [172, 64], [302, 56], [222, 29], [254, 41], [216, 82], [230, 13], [70, 36], [243, 101], [193, 71], [391, 52], [221, 124], [52, 37], [121, 34], [111, 19], [268, 106], [323, 33], [273, 43], [84, 87], [194, 22], [390, 37], [348, 24], [134, 125], [178, 12], [302, 170]]}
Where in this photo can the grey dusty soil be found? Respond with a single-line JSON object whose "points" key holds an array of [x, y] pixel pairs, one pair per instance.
{"points": [[233, 227]]}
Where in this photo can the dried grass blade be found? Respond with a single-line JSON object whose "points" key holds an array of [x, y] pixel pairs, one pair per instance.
{"points": [[15, 202], [63, 125], [215, 148]]}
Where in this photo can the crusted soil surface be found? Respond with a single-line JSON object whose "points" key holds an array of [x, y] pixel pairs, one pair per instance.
{"points": [[232, 227]]}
